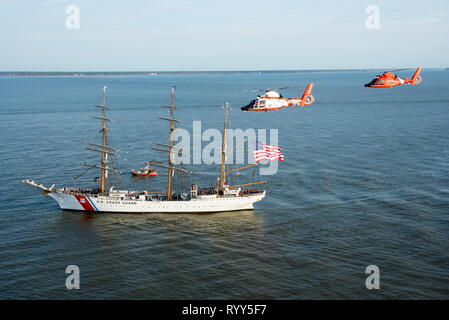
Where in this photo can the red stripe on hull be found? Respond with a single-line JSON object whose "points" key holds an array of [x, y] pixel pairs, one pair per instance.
{"points": [[84, 202]]}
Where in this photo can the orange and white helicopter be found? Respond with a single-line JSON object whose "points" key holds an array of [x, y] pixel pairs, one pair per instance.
{"points": [[272, 100], [389, 79]]}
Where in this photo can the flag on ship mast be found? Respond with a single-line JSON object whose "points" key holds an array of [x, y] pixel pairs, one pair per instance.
{"points": [[267, 152]]}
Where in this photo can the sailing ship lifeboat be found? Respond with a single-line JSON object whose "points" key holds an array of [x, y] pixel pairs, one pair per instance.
{"points": [[144, 172]]}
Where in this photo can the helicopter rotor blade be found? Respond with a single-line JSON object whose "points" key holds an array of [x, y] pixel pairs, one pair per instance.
{"points": [[396, 70], [275, 89], [283, 88]]}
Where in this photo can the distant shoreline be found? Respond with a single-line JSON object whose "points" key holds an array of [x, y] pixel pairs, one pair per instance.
{"points": [[158, 73]]}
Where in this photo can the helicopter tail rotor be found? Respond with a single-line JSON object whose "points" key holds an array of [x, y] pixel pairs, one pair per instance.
{"points": [[307, 97], [416, 79]]}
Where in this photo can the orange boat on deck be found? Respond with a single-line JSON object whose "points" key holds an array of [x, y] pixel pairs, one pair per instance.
{"points": [[147, 171]]}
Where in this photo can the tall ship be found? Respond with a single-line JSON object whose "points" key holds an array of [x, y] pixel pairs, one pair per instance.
{"points": [[106, 198]]}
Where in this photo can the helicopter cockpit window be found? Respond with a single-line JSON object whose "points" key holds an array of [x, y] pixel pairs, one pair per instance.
{"points": [[381, 81], [252, 104], [261, 103]]}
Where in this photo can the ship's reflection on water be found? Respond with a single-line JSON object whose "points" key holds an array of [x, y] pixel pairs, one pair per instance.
{"points": [[214, 223]]}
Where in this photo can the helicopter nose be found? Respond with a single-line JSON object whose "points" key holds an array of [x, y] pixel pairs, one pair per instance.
{"points": [[244, 108], [367, 85]]}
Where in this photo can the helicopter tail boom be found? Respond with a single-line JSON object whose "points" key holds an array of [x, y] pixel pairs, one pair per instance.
{"points": [[307, 97]]}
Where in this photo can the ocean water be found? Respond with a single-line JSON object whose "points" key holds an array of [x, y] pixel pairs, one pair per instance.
{"points": [[365, 182]]}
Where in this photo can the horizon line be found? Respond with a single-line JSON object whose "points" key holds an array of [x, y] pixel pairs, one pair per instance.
{"points": [[157, 72]]}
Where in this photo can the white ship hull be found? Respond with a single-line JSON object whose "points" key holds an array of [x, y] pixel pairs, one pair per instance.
{"points": [[201, 204]]}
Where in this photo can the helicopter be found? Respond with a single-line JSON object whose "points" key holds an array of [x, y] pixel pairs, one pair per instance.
{"points": [[272, 100], [389, 79]]}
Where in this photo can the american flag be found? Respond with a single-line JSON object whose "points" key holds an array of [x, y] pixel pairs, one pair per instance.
{"points": [[267, 152]]}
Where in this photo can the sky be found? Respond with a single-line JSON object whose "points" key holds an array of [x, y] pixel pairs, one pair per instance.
{"points": [[194, 35]]}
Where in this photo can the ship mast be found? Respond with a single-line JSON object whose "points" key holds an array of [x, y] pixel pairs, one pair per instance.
{"points": [[223, 160], [172, 128], [105, 150], [223, 153], [104, 155], [169, 147]]}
